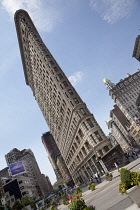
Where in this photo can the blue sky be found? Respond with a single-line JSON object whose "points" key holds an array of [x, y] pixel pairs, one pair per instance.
{"points": [[90, 39]]}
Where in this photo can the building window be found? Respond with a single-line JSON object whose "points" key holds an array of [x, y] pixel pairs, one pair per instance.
{"points": [[85, 125], [12, 200], [56, 69], [65, 83], [82, 111], [84, 151], [76, 101], [72, 103], [87, 145], [66, 95], [61, 86], [73, 149], [106, 148], [75, 145], [20, 182], [100, 152], [93, 139], [80, 133], [60, 76], [81, 155], [78, 158], [68, 112], [98, 135], [70, 92], [90, 123], [52, 62], [77, 140]]}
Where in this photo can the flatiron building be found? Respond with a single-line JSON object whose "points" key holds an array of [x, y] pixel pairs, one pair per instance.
{"points": [[75, 130]]}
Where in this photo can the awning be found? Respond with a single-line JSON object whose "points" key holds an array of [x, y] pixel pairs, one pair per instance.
{"points": [[40, 201], [64, 188], [49, 196]]}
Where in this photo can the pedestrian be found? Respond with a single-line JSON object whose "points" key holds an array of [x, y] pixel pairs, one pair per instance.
{"points": [[99, 178], [115, 164], [136, 154], [131, 155], [96, 179]]}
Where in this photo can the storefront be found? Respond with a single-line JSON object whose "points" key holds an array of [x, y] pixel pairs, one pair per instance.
{"points": [[115, 155]]}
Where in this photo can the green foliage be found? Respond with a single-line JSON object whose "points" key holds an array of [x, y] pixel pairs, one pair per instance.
{"points": [[138, 180], [78, 190], [17, 205], [64, 201], [134, 177], [90, 182], [76, 204], [53, 203], [25, 201], [122, 188], [42, 208], [108, 174], [128, 180], [33, 206], [92, 186], [51, 207], [125, 177]]}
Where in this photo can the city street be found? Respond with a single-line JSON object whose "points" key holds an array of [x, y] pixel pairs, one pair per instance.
{"points": [[106, 196]]}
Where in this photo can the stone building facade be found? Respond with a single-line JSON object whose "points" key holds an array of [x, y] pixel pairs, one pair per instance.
{"points": [[47, 184], [56, 159], [16, 188], [32, 168], [53, 151], [75, 130], [125, 94], [138, 103], [136, 51], [118, 125]]}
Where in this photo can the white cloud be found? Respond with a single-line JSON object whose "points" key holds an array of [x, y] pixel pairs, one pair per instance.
{"points": [[45, 14], [113, 10], [75, 78]]}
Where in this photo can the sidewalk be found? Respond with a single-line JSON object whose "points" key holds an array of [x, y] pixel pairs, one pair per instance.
{"points": [[133, 207], [115, 174], [129, 166]]}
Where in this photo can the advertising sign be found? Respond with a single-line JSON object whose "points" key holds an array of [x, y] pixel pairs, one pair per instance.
{"points": [[17, 168]]}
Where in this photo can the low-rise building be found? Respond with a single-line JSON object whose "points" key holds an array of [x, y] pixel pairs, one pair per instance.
{"points": [[119, 127], [125, 94], [32, 168], [14, 189]]}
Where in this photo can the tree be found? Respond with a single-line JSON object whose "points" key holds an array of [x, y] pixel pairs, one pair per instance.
{"points": [[17, 205], [25, 201]]}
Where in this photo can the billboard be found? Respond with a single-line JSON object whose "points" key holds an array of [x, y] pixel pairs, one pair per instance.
{"points": [[17, 168]]}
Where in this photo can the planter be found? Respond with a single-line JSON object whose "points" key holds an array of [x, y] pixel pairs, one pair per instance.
{"points": [[109, 178], [134, 194]]}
